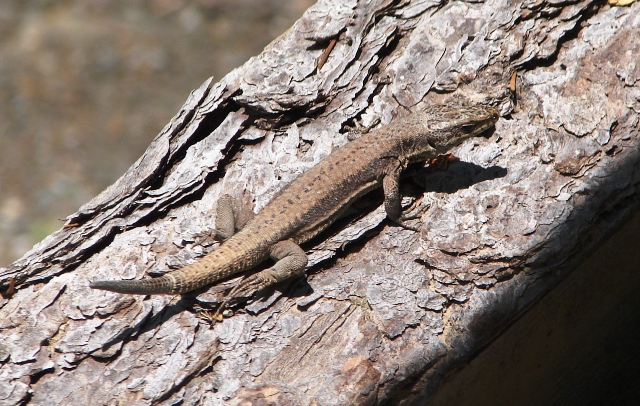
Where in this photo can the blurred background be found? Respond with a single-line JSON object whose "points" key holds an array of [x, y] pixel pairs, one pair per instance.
{"points": [[85, 85]]}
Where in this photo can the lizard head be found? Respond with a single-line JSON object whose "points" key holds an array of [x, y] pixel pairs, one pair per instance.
{"points": [[450, 124]]}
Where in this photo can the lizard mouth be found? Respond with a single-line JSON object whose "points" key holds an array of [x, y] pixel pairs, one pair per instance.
{"points": [[484, 129]]}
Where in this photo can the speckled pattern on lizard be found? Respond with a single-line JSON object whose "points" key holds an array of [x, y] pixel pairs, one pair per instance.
{"points": [[314, 200]]}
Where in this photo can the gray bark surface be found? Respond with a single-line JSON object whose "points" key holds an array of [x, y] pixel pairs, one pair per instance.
{"points": [[386, 312]]}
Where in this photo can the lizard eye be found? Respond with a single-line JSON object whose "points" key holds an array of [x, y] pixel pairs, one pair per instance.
{"points": [[467, 128]]}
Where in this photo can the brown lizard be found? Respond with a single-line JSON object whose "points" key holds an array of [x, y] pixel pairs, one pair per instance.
{"points": [[315, 199]]}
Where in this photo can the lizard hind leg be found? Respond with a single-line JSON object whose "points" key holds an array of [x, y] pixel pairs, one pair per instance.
{"points": [[291, 261], [231, 216]]}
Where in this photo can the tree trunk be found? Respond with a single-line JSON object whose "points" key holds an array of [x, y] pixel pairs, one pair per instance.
{"points": [[386, 312]]}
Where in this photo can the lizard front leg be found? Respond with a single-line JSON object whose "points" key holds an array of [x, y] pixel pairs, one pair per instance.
{"points": [[291, 261], [392, 198]]}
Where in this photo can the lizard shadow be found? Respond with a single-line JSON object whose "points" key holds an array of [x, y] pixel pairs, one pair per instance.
{"points": [[456, 176]]}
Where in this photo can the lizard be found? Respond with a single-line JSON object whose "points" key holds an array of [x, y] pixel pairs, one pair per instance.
{"points": [[314, 200]]}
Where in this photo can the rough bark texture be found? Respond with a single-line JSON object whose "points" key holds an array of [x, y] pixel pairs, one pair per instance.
{"points": [[386, 312]]}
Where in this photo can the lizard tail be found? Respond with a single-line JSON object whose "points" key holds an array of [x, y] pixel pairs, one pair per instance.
{"points": [[235, 255], [151, 286]]}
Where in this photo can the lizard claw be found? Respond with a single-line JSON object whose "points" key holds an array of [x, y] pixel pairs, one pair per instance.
{"points": [[245, 289], [407, 227], [401, 222]]}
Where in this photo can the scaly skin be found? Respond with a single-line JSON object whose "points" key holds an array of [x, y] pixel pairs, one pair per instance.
{"points": [[310, 203]]}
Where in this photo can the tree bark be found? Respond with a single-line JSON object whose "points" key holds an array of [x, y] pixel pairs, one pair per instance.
{"points": [[386, 312]]}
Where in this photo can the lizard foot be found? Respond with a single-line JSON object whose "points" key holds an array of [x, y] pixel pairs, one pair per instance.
{"points": [[246, 288]]}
